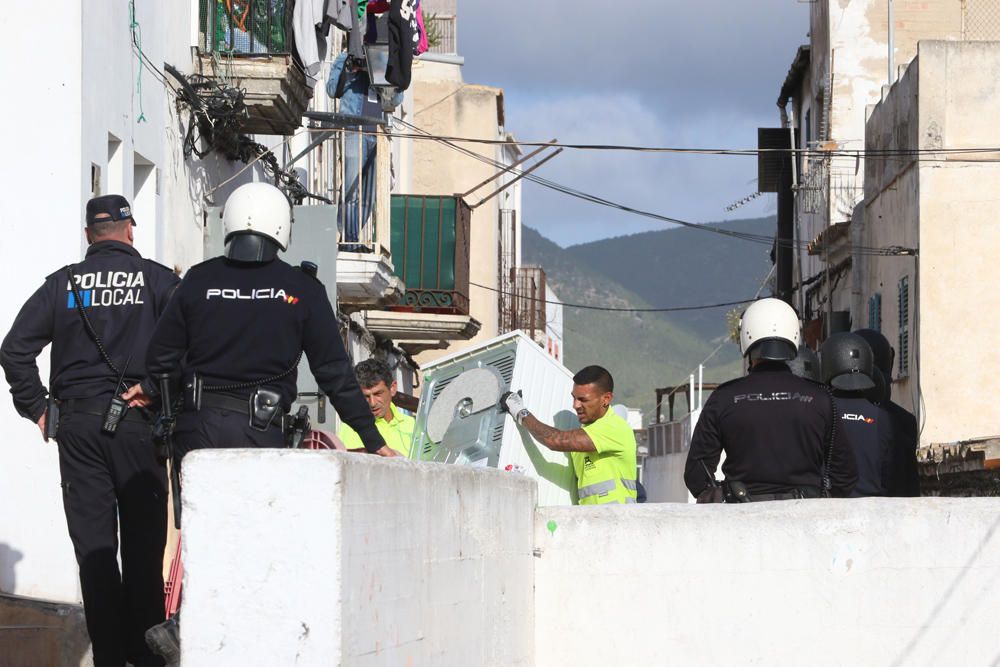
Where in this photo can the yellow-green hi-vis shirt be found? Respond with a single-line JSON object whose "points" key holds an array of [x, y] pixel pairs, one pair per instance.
{"points": [[398, 433], [608, 474]]}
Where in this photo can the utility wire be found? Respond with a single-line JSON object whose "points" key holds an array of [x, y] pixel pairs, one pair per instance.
{"points": [[610, 309], [761, 239], [741, 152]]}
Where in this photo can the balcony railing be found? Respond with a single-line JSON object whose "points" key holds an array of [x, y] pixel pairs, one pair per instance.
{"points": [[430, 252], [245, 27], [527, 311], [442, 31], [362, 176]]}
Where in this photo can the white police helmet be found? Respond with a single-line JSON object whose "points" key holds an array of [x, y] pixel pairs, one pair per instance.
{"points": [[770, 329], [256, 212]]}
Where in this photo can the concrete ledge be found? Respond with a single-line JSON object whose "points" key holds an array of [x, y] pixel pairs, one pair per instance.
{"points": [[324, 558], [829, 582]]}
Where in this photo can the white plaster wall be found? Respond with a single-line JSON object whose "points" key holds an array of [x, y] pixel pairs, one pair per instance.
{"points": [[41, 206], [822, 582], [320, 558]]}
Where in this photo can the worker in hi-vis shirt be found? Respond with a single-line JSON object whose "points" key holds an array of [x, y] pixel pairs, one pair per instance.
{"points": [[379, 388], [602, 449]]}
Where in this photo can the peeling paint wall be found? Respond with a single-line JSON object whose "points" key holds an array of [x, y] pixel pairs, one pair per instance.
{"points": [[848, 68], [948, 98]]}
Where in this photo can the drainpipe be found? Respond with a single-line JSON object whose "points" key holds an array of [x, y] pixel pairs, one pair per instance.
{"points": [[857, 294]]}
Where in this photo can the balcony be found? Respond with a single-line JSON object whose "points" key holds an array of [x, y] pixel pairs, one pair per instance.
{"points": [[430, 251], [523, 302], [365, 274], [246, 44]]}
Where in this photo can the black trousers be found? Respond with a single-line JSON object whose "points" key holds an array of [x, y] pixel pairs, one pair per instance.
{"points": [[111, 485], [218, 428]]}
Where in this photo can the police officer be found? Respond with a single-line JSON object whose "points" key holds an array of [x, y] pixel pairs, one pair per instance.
{"points": [[240, 324], [847, 367], [602, 451], [776, 429], [904, 480], [98, 315]]}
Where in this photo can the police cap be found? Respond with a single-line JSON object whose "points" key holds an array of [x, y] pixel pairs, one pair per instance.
{"points": [[114, 206]]}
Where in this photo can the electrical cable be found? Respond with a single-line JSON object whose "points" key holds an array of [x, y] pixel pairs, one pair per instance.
{"points": [[761, 239], [739, 152], [608, 309]]}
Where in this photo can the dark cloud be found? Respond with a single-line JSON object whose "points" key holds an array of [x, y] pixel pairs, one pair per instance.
{"points": [[647, 72], [684, 55]]}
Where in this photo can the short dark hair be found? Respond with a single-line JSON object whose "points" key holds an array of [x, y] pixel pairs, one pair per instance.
{"points": [[596, 375], [108, 227], [372, 371]]}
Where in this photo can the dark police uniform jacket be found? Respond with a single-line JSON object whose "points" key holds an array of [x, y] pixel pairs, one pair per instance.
{"points": [[869, 432], [241, 322], [122, 293], [774, 427], [903, 480]]}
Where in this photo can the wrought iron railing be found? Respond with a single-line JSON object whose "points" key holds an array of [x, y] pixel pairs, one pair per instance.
{"points": [[528, 302], [430, 252], [245, 27]]}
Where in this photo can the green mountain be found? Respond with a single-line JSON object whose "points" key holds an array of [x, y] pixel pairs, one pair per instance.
{"points": [[675, 267]]}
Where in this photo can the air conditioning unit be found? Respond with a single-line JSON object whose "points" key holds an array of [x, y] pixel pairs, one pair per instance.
{"points": [[458, 420]]}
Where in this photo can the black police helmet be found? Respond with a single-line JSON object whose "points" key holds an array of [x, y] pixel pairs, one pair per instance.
{"points": [[881, 349], [878, 394], [805, 364], [847, 362]]}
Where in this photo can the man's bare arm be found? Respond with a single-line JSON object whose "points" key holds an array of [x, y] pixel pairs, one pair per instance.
{"points": [[575, 440]]}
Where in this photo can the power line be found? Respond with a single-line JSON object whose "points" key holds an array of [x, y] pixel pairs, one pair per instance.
{"points": [[609, 309], [761, 239], [740, 152]]}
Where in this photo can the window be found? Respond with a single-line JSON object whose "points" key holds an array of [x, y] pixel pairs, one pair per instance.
{"points": [[875, 312], [903, 349]]}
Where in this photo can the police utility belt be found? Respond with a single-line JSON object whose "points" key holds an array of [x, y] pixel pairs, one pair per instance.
{"points": [[736, 492], [262, 406]]}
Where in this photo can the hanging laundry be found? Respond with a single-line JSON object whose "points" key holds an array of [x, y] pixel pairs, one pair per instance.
{"points": [[341, 13], [308, 18], [398, 71], [422, 43]]}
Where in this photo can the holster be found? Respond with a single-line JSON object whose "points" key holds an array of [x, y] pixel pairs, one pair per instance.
{"points": [[735, 492], [265, 405], [51, 418]]}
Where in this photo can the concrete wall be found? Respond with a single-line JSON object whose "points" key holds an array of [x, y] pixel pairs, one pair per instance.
{"points": [[326, 558], [320, 558], [827, 582]]}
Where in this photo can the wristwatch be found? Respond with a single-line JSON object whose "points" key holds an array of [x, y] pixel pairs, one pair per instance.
{"points": [[521, 415]]}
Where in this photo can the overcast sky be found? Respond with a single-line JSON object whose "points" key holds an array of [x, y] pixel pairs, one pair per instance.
{"points": [[682, 73]]}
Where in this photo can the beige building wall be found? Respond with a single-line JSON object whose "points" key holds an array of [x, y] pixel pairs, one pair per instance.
{"points": [[949, 98], [848, 68], [445, 105]]}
